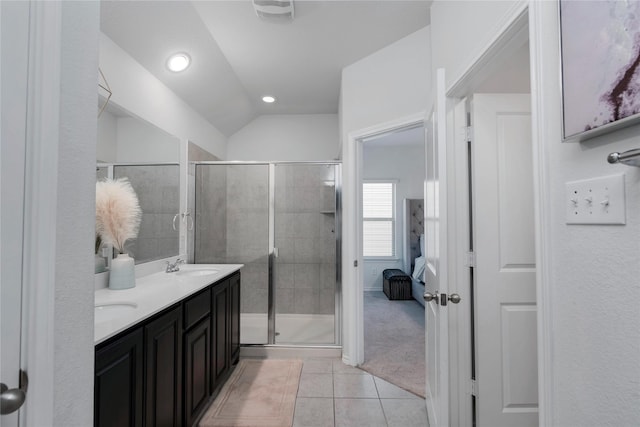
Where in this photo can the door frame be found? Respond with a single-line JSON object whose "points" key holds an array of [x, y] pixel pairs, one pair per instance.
{"points": [[41, 172], [523, 21], [353, 294]]}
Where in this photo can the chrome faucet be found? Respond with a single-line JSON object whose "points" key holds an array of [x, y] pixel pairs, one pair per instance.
{"points": [[174, 267]]}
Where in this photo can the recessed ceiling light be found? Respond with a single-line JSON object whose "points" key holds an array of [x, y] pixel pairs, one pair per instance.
{"points": [[178, 62], [268, 99]]}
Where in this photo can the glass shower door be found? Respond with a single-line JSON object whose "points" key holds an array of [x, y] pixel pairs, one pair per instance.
{"points": [[305, 262]]}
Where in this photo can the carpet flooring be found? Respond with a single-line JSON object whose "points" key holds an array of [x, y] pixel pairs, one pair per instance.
{"points": [[394, 347], [258, 393]]}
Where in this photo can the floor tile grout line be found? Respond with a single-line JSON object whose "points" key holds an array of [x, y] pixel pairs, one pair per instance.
{"points": [[335, 399], [375, 384], [333, 394]]}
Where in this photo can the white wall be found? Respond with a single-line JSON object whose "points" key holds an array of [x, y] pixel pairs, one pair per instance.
{"points": [[390, 85], [461, 29], [592, 292], [286, 137], [139, 92], [405, 164], [590, 338], [107, 137], [127, 139], [138, 141], [75, 218]]}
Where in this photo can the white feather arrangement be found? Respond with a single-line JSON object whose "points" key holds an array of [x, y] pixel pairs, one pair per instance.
{"points": [[118, 212]]}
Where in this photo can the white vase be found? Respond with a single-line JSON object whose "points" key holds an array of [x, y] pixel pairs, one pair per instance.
{"points": [[100, 263], [122, 274]]}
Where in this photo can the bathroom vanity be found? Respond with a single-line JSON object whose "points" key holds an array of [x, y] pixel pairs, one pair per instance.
{"points": [[165, 348]]}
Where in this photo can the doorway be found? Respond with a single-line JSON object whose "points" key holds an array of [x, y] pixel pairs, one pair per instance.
{"points": [[392, 193], [497, 343]]}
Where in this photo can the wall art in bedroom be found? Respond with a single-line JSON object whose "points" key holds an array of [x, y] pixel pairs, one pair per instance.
{"points": [[600, 56]]}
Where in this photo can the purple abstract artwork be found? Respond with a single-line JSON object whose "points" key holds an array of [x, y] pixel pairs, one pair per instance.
{"points": [[600, 63]]}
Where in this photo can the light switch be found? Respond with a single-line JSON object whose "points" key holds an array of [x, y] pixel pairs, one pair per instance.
{"points": [[596, 201]]}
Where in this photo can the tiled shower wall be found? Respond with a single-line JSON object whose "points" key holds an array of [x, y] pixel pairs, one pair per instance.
{"points": [[158, 191], [232, 221], [211, 215], [305, 236]]}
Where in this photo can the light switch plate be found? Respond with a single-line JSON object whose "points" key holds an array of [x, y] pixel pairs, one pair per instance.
{"points": [[596, 201]]}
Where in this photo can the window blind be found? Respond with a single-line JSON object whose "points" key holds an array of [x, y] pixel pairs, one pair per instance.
{"points": [[378, 219]]}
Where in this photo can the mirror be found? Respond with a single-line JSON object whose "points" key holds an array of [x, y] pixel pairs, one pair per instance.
{"points": [[149, 157], [125, 138]]}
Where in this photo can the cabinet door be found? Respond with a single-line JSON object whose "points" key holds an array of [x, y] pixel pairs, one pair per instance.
{"points": [[197, 346], [163, 393], [118, 382], [221, 330], [234, 289]]}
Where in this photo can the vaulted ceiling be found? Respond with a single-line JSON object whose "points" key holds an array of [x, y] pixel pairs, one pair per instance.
{"points": [[237, 57]]}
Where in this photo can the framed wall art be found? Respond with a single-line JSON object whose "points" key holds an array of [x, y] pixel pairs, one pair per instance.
{"points": [[600, 58]]}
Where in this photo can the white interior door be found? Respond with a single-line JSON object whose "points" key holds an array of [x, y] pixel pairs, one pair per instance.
{"points": [[505, 274], [14, 28], [436, 321]]}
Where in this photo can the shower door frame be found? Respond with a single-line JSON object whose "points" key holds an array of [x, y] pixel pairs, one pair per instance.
{"points": [[273, 251]]}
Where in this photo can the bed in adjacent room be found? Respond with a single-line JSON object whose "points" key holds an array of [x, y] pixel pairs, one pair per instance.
{"points": [[414, 260]]}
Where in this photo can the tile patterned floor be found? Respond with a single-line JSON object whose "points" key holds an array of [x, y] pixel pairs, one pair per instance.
{"points": [[331, 393]]}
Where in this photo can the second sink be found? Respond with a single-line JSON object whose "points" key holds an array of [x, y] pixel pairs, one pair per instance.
{"points": [[194, 271], [109, 310]]}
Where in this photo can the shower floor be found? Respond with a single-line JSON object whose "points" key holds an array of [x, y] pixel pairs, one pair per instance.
{"points": [[290, 328]]}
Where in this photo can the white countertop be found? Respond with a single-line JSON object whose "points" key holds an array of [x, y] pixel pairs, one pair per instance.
{"points": [[152, 294]]}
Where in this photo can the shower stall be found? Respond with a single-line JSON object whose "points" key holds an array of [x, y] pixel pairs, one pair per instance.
{"points": [[282, 221]]}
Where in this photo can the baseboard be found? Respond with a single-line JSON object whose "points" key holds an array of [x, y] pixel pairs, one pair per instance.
{"points": [[373, 289]]}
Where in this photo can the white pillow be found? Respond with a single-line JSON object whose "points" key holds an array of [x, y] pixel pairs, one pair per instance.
{"points": [[422, 244], [418, 269]]}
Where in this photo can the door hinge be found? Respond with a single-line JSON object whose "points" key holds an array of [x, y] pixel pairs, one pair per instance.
{"points": [[474, 388], [470, 259], [463, 133], [355, 263], [468, 132]]}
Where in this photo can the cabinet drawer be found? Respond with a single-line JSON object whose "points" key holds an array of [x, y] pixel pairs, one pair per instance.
{"points": [[197, 307]]}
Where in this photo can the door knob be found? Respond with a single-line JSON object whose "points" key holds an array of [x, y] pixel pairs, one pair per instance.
{"points": [[428, 296], [454, 298], [12, 399]]}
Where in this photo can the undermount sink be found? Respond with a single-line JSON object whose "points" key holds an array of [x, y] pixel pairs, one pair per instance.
{"points": [[109, 310], [196, 271]]}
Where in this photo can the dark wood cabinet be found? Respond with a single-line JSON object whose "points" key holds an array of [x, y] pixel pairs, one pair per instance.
{"points": [[118, 387], [163, 348], [234, 291], [166, 370], [220, 333], [197, 347]]}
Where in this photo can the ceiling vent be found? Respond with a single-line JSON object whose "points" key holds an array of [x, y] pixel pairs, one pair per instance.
{"points": [[274, 10]]}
